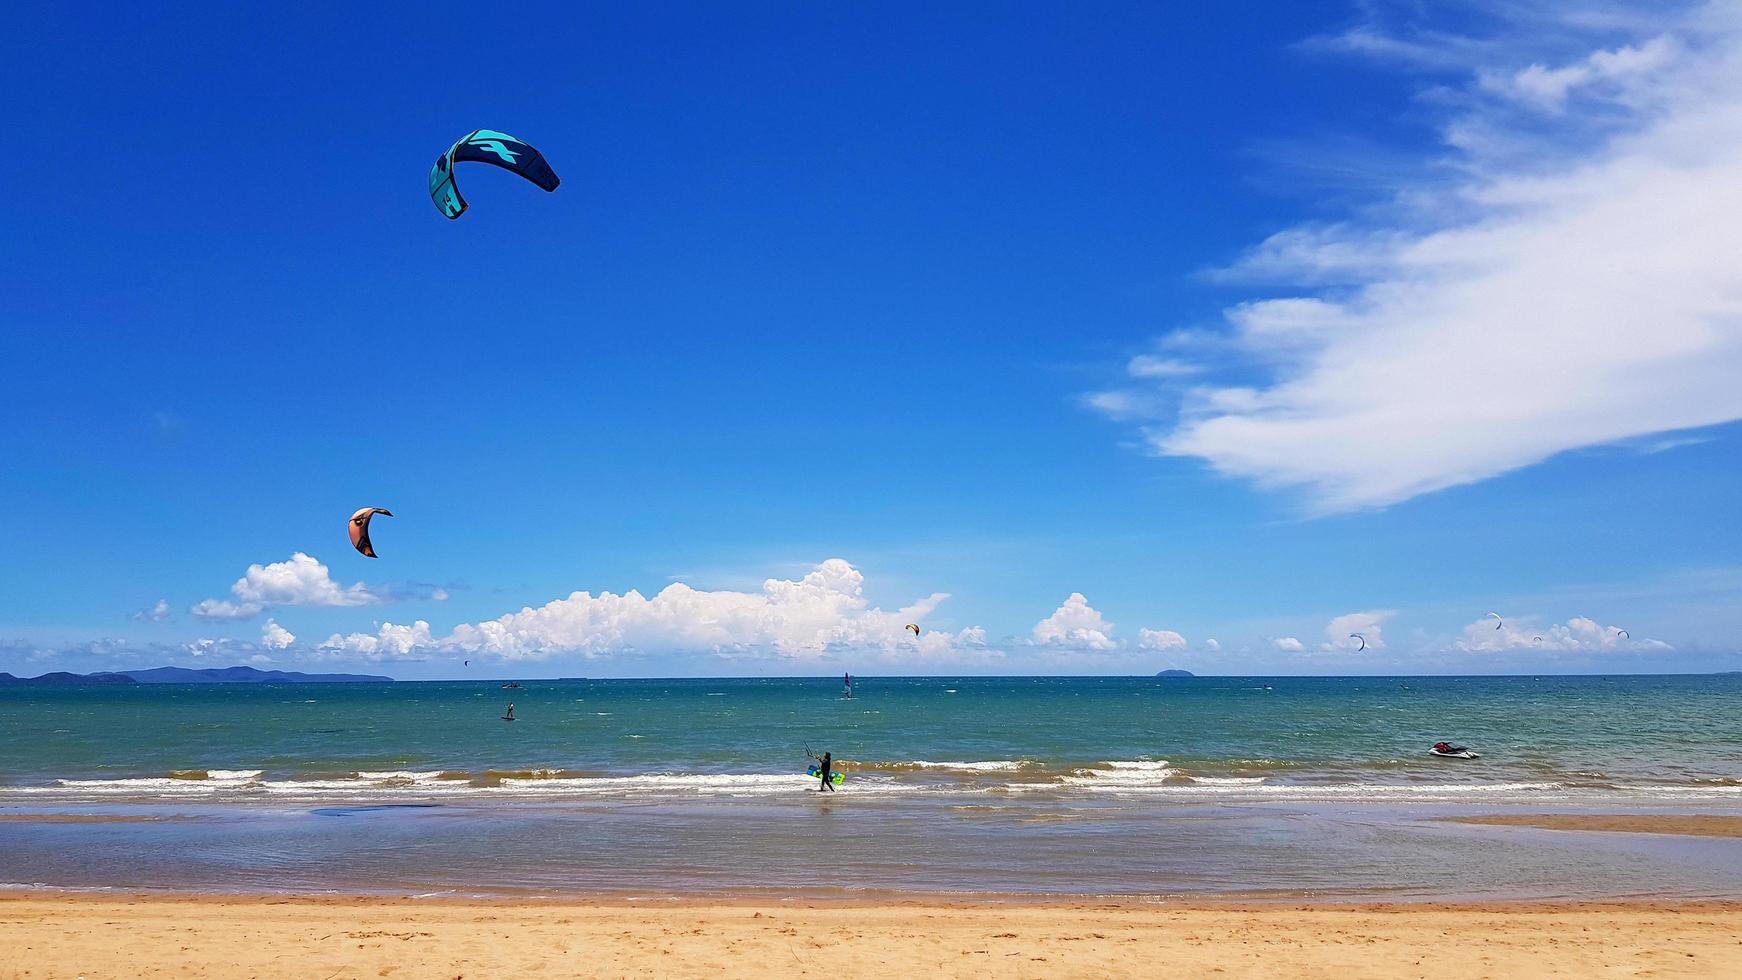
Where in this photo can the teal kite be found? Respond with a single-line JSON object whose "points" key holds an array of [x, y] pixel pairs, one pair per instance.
{"points": [[486, 146]]}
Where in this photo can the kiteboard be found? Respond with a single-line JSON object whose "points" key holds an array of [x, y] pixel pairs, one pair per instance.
{"points": [[834, 777], [507, 717], [1460, 754]]}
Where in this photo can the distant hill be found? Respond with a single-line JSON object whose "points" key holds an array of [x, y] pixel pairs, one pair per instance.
{"points": [[61, 678], [1174, 673], [186, 675], [240, 675]]}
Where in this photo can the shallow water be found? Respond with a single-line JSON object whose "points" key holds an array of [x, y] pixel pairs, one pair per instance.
{"points": [[834, 847], [1116, 786]]}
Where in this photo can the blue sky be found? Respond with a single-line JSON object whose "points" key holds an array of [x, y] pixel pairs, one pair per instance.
{"points": [[1257, 325]]}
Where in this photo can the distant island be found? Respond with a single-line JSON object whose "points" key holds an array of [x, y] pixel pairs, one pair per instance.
{"points": [[61, 678], [186, 675], [1176, 672]]}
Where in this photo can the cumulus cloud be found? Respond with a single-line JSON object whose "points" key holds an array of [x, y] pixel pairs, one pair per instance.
{"points": [[389, 642], [806, 618], [1288, 644], [276, 637], [1369, 624], [1579, 634], [1075, 624], [298, 581], [1562, 276], [1149, 639], [156, 614]]}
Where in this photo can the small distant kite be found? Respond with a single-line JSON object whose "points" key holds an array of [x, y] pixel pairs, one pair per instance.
{"points": [[1498, 622], [912, 627], [1536, 639], [360, 529], [1363, 639], [1622, 633], [486, 146]]}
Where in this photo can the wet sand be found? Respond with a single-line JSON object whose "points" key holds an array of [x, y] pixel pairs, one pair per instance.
{"points": [[1698, 825], [213, 936], [89, 817]]}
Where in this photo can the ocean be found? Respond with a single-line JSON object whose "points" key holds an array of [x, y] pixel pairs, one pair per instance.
{"points": [[1245, 787]]}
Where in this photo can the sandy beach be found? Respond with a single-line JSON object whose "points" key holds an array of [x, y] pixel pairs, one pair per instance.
{"points": [[206, 936]]}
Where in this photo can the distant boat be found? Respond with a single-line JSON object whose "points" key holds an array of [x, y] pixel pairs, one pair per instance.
{"points": [[511, 684]]}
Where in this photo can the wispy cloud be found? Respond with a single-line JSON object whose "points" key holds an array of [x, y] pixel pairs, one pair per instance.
{"points": [[1573, 283]]}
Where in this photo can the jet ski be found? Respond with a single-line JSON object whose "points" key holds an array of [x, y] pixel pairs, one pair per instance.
{"points": [[1447, 750]]}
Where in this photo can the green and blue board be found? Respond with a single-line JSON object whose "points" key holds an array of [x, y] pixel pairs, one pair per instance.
{"points": [[834, 777]]}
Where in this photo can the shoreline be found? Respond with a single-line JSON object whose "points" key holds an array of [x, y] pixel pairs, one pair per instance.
{"points": [[989, 902], [203, 934]]}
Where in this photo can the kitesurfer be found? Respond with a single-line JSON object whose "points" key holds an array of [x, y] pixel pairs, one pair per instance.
{"points": [[825, 769], [510, 715]]}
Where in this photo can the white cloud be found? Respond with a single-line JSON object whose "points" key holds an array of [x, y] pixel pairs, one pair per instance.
{"points": [[390, 642], [156, 614], [1548, 89], [1212, 644], [1125, 404], [1152, 366], [1149, 639], [807, 618], [1555, 281], [1579, 634], [1075, 624], [298, 581], [1288, 644], [275, 637], [1368, 624]]}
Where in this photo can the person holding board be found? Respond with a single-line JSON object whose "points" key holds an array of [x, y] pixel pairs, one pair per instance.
{"points": [[824, 770]]}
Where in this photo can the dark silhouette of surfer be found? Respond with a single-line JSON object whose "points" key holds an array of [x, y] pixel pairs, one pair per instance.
{"points": [[825, 769], [510, 715]]}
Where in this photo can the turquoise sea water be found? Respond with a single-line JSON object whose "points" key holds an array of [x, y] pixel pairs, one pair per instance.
{"points": [[1079, 785]]}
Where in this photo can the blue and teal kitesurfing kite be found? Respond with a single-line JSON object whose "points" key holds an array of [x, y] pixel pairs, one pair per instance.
{"points": [[486, 146]]}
